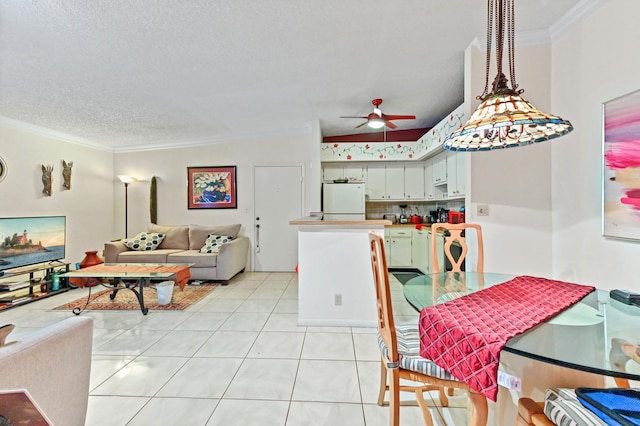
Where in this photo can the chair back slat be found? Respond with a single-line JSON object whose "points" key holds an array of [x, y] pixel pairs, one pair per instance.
{"points": [[386, 325], [455, 234]]}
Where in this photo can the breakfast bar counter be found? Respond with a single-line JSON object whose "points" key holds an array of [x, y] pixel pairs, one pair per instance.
{"points": [[335, 280]]}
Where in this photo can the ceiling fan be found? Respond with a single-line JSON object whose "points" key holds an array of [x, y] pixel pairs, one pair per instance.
{"points": [[377, 119]]}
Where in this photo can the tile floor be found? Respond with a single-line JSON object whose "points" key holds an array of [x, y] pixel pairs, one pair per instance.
{"points": [[236, 357]]}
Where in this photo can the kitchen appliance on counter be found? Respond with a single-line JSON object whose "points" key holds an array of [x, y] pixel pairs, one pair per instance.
{"points": [[343, 201], [416, 218], [456, 217], [439, 215], [403, 214], [392, 217]]}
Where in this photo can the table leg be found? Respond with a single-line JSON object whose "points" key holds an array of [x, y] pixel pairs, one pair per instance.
{"points": [[480, 409], [140, 293]]}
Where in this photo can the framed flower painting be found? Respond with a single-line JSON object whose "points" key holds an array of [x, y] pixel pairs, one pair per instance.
{"points": [[621, 174], [212, 187]]}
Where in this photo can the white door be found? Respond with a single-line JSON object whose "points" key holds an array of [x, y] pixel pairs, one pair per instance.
{"points": [[278, 200]]}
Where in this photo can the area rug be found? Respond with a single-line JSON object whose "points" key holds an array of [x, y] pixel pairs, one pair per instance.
{"points": [[404, 276], [126, 299]]}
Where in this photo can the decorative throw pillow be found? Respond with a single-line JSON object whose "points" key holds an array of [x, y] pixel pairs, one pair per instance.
{"points": [[144, 241], [214, 242]]}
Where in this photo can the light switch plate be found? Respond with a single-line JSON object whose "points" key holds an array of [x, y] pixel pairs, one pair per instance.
{"points": [[482, 210]]}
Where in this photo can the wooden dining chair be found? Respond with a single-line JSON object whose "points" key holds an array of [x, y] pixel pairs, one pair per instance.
{"points": [[455, 233], [400, 354]]}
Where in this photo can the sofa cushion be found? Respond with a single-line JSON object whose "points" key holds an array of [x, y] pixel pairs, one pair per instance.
{"points": [[176, 237], [198, 234], [155, 256], [214, 242], [199, 260], [144, 241]]}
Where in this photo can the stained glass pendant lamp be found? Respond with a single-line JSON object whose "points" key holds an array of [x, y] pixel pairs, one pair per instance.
{"points": [[504, 119]]}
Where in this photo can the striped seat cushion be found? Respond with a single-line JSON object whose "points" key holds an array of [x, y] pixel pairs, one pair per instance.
{"points": [[408, 339], [562, 407]]}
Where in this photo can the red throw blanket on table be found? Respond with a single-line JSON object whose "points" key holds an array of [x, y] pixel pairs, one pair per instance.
{"points": [[182, 272], [465, 335]]}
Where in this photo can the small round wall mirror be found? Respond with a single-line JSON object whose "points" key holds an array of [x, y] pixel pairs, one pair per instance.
{"points": [[3, 169]]}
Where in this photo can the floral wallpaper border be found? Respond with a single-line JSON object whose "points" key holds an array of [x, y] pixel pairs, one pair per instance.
{"points": [[362, 151]]}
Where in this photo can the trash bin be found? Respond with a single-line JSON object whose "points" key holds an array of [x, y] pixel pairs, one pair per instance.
{"points": [[165, 291]]}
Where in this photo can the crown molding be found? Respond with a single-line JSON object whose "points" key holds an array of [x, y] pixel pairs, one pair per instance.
{"points": [[544, 36], [52, 134], [574, 16]]}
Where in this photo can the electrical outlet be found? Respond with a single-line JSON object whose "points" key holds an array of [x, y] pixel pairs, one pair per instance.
{"points": [[337, 300], [483, 210]]}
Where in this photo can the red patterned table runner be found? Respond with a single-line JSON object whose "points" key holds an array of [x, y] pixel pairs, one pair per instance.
{"points": [[465, 335], [182, 272]]}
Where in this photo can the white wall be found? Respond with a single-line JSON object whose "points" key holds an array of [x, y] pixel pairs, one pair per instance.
{"points": [[87, 206], [515, 183], [596, 61], [170, 168]]}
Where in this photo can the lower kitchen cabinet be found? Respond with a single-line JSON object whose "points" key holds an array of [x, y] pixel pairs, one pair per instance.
{"points": [[421, 249], [398, 247], [411, 248]]}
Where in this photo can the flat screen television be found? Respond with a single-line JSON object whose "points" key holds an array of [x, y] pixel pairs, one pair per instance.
{"points": [[29, 240]]}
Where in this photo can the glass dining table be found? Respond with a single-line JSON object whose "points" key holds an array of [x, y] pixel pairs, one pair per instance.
{"points": [[597, 335]]}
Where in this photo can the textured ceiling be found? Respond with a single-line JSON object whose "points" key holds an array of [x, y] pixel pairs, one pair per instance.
{"points": [[128, 74]]}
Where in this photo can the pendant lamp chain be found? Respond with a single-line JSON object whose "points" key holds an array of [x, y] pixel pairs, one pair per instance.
{"points": [[504, 119]]}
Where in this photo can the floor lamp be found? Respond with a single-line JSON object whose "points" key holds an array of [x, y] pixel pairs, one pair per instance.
{"points": [[126, 180]]}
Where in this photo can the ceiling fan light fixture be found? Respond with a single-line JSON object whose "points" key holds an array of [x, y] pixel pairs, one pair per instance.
{"points": [[375, 123], [504, 119]]}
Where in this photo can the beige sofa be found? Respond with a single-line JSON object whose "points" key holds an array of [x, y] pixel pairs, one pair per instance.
{"points": [[182, 244], [54, 365]]}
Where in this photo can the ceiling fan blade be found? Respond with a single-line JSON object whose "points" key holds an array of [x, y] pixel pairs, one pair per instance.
{"points": [[351, 116], [390, 124], [357, 127], [399, 117]]}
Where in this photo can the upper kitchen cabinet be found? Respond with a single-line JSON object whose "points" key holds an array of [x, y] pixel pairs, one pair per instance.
{"points": [[429, 188], [414, 181], [455, 174], [385, 182], [440, 169], [330, 172]]}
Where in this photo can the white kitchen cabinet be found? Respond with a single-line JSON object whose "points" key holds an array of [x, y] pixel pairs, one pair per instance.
{"points": [[439, 249], [455, 174], [385, 182], [398, 247], [414, 181], [429, 193], [440, 169], [421, 249], [375, 182], [354, 172], [394, 181], [331, 172]]}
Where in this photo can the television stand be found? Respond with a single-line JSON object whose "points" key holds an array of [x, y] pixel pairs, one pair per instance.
{"points": [[24, 285]]}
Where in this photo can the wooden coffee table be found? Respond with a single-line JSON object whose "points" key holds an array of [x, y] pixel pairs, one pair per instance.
{"points": [[133, 276]]}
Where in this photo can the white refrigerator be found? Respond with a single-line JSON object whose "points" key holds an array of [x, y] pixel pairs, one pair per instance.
{"points": [[343, 201]]}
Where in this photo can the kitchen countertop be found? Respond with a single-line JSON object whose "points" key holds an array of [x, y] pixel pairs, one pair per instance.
{"points": [[314, 220]]}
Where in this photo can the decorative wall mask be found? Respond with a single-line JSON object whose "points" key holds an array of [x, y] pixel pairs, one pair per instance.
{"points": [[47, 179], [3, 169], [66, 174]]}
